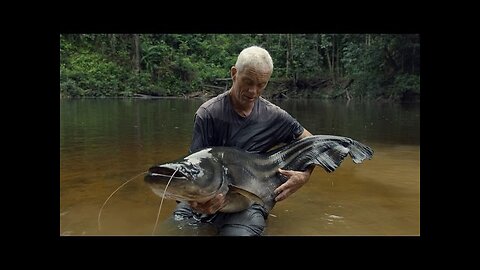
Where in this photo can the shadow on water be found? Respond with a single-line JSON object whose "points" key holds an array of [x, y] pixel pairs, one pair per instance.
{"points": [[103, 142]]}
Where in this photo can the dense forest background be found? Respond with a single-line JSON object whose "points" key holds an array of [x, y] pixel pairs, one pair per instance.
{"points": [[335, 66]]}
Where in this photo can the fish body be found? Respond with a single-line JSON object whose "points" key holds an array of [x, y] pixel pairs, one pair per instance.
{"points": [[244, 177]]}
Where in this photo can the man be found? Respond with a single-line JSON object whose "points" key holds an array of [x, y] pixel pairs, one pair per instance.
{"points": [[240, 117]]}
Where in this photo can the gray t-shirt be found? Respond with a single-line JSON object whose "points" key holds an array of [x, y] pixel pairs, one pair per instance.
{"points": [[217, 124]]}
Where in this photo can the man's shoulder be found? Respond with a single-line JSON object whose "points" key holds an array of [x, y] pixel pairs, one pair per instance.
{"points": [[214, 104], [269, 106]]}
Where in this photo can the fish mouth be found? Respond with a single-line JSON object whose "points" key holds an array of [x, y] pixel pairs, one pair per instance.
{"points": [[166, 172], [181, 184]]}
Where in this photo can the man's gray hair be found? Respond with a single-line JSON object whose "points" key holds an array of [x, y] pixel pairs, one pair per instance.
{"points": [[255, 57]]}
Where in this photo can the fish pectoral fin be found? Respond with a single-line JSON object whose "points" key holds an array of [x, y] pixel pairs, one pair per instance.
{"points": [[246, 193]]}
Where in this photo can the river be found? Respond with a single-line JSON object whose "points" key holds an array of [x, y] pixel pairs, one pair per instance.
{"points": [[104, 142]]}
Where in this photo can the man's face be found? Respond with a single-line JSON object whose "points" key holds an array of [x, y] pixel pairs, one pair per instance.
{"points": [[249, 83]]}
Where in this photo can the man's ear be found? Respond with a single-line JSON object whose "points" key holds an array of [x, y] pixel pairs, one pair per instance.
{"points": [[233, 73]]}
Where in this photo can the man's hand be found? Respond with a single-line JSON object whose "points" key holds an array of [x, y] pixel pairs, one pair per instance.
{"points": [[296, 179], [209, 207]]}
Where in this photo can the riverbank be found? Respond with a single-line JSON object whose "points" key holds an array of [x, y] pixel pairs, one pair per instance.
{"points": [[313, 88]]}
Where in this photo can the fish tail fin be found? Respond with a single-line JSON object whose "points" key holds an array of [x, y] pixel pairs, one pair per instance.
{"points": [[359, 152], [329, 159], [326, 151], [331, 152]]}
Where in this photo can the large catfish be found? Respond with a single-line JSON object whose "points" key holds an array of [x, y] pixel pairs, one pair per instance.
{"points": [[245, 177]]}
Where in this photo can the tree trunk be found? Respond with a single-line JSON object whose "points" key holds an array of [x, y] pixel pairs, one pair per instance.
{"points": [[348, 95], [112, 43], [288, 56], [338, 61], [403, 60], [329, 61], [368, 40], [333, 59], [391, 66], [136, 57], [317, 53], [413, 60], [294, 71]]}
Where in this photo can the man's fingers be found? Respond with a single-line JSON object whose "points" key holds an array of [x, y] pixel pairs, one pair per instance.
{"points": [[211, 206], [282, 196], [218, 203], [283, 191], [285, 172], [218, 199], [281, 188]]}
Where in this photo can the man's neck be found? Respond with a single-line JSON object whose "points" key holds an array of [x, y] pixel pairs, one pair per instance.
{"points": [[243, 111]]}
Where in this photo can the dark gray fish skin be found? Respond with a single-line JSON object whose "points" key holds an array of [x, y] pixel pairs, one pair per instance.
{"points": [[246, 177]]}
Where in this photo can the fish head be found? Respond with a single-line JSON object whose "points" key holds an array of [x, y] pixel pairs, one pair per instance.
{"points": [[196, 177]]}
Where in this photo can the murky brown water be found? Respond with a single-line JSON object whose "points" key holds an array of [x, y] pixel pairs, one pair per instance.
{"points": [[105, 142]]}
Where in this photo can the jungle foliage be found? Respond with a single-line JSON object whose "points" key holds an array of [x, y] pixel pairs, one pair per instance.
{"points": [[363, 66]]}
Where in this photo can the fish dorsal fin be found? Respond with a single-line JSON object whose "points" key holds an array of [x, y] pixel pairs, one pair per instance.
{"points": [[246, 193]]}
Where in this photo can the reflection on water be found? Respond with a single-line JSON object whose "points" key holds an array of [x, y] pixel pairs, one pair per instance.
{"points": [[105, 142]]}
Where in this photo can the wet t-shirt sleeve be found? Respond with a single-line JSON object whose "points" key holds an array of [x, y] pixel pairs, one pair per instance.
{"points": [[202, 131], [292, 128]]}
